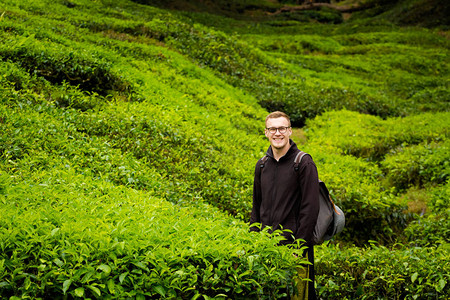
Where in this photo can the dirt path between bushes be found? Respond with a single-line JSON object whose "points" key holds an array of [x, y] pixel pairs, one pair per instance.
{"points": [[308, 6]]}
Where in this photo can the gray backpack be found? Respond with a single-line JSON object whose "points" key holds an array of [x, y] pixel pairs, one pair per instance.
{"points": [[331, 219]]}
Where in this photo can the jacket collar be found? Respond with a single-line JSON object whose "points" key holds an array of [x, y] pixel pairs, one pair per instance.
{"points": [[292, 151]]}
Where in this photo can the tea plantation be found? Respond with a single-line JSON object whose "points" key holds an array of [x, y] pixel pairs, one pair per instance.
{"points": [[130, 132]]}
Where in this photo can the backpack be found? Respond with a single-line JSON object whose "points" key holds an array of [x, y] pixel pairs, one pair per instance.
{"points": [[331, 219]]}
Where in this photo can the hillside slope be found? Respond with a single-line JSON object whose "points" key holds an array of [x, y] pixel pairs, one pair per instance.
{"points": [[178, 117], [111, 144], [426, 13], [129, 137]]}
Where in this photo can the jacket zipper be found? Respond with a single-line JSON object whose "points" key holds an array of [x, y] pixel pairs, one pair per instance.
{"points": [[274, 190]]}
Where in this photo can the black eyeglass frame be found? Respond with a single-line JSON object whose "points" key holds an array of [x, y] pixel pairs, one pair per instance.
{"points": [[281, 130]]}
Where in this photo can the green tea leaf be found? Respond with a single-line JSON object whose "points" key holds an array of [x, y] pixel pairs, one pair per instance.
{"points": [[66, 285], [79, 292], [54, 231], [414, 276], [442, 284], [141, 265], [160, 290], [95, 290], [58, 262], [104, 268], [122, 277], [111, 286]]}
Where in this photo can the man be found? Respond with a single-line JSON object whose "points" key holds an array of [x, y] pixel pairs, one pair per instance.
{"points": [[283, 197]]}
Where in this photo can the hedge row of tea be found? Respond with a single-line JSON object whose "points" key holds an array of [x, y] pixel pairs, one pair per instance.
{"points": [[408, 160], [82, 187], [378, 272], [388, 164], [175, 129], [109, 109], [63, 233], [96, 132], [405, 153], [366, 66]]}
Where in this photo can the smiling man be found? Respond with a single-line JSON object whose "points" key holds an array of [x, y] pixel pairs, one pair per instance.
{"points": [[283, 197]]}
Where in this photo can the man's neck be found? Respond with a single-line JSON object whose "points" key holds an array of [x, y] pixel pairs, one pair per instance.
{"points": [[279, 153]]}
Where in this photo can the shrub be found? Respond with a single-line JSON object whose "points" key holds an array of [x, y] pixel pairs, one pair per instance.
{"points": [[371, 137], [86, 238], [371, 211], [379, 272], [322, 15], [429, 230], [418, 165], [85, 173], [62, 65], [14, 76], [298, 44], [67, 95], [439, 197]]}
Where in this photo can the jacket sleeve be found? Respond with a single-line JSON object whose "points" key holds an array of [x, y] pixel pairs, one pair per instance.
{"points": [[309, 204], [255, 215]]}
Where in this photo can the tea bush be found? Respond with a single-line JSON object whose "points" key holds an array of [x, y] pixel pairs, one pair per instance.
{"points": [[81, 238], [418, 165], [192, 105], [439, 197], [401, 272], [104, 146], [372, 212], [430, 230], [287, 83], [129, 133], [397, 156], [59, 65], [383, 83], [13, 76], [372, 137]]}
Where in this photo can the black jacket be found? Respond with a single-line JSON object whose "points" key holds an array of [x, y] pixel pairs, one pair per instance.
{"points": [[283, 196]]}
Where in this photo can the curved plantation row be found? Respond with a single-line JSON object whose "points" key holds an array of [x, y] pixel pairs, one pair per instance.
{"points": [[408, 166], [123, 144], [65, 234], [170, 135], [84, 190], [307, 69]]}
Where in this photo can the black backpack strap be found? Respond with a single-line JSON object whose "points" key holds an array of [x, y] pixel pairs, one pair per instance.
{"points": [[263, 161], [298, 159]]}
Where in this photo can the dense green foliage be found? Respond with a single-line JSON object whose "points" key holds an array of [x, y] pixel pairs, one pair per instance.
{"points": [[90, 238], [403, 160], [378, 272], [129, 136], [427, 13]]}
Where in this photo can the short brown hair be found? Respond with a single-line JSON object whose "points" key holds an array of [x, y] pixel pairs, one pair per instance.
{"points": [[278, 114]]}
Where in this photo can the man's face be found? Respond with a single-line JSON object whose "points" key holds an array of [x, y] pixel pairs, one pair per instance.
{"points": [[278, 140]]}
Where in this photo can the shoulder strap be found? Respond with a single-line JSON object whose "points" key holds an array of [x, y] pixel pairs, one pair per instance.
{"points": [[261, 165], [298, 159], [263, 161]]}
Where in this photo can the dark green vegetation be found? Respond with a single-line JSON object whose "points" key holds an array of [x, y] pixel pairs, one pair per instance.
{"points": [[129, 136]]}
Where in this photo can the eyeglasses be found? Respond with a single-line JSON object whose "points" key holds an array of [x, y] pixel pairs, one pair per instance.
{"points": [[281, 130]]}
